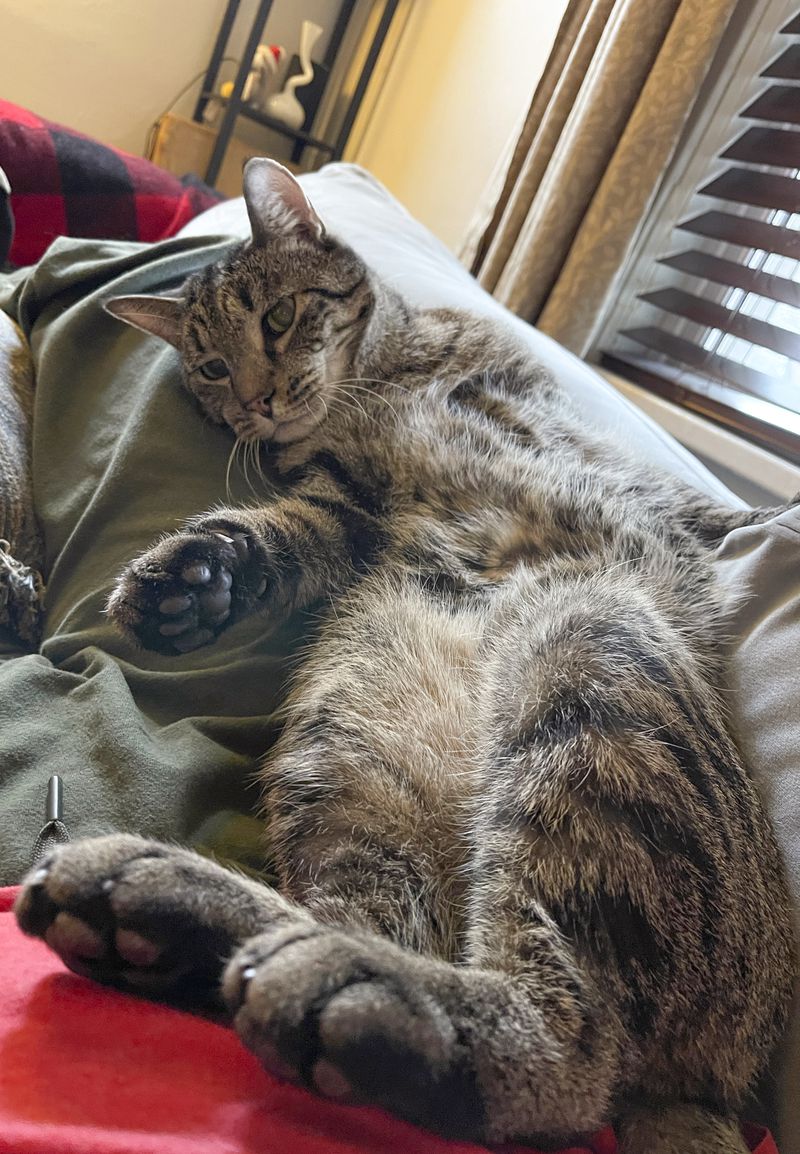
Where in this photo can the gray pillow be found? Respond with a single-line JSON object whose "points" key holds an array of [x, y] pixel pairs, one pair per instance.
{"points": [[760, 567]]}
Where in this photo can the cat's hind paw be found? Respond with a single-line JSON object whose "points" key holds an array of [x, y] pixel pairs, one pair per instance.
{"points": [[139, 915], [355, 1018], [183, 592]]}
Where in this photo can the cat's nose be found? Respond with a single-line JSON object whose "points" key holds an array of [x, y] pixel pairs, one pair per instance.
{"points": [[262, 404]]}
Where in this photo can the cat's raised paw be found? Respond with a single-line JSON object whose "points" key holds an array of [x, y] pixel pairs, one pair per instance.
{"points": [[186, 589], [356, 1019]]}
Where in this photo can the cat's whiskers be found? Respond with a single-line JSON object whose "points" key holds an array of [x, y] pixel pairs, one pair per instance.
{"points": [[355, 406], [357, 383], [324, 404], [351, 403], [231, 456], [250, 449], [245, 471], [239, 445], [371, 381], [257, 461], [251, 452]]}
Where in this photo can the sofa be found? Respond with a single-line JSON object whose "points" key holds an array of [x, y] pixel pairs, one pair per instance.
{"points": [[167, 746]]}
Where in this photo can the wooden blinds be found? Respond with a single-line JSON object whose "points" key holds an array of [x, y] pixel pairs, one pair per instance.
{"points": [[716, 325]]}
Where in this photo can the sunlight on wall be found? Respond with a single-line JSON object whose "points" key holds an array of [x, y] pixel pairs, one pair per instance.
{"points": [[461, 81]]}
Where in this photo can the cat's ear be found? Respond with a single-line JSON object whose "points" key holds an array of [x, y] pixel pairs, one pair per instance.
{"points": [[276, 204], [161, 316]]}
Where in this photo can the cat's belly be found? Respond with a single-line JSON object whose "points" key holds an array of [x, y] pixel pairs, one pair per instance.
{"points": [[519, 546]]}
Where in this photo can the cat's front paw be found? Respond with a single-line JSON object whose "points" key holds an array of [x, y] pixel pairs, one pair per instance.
{"points": [[357, 1019], [181, 593], [150, 918]]}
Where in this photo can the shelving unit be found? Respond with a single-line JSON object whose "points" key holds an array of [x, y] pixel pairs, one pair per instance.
{"points": [[235, 108]]}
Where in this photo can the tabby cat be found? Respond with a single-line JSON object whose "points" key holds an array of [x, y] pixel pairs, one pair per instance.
{"points": [[526, 886]]}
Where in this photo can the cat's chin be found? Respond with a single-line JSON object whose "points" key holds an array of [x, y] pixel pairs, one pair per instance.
{"points": [[287, 431], [295, 428]]}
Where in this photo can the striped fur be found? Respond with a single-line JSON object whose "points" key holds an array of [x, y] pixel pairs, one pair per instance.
{"points": [[21, 546], [535, 888]]}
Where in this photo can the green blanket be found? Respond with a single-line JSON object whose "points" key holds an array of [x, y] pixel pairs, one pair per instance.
{"points": [[162, 746]]}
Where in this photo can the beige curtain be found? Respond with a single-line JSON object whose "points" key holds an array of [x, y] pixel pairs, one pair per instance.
{"points": [[605, 120]]}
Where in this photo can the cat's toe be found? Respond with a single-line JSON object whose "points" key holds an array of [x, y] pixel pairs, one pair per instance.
{"points": [[66, 901], [71, 936], [246, 568], [354, 1019]]}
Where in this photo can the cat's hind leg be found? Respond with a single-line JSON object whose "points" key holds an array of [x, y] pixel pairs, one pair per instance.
{"points": [[370, 799], [679, 1130], [618, 825], [367, 793], [21, 547], [618, 856]]}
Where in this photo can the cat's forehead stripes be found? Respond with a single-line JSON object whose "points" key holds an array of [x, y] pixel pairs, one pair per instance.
{"points": [[340, 295], [195, 336], [244, 296]]}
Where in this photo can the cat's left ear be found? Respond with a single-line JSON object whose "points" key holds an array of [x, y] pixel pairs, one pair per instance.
{"points": [[160, 316], [276, 204]]}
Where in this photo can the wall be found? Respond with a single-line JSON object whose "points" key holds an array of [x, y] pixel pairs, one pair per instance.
{"points": [[459, 84], [110, 67]]}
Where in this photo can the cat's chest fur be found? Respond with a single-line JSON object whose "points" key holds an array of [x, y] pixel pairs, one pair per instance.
{"points": [[475, 484]]}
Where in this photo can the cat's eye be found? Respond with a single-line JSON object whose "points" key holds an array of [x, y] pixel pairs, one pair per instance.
{"points": [[214, 370], [280, 316]]}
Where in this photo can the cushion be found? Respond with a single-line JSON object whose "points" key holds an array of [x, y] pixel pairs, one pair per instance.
{"points": [[763, 562], [66, 184]]}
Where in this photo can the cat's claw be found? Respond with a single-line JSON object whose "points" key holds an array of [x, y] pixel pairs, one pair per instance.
{"points": [[185, 590]]}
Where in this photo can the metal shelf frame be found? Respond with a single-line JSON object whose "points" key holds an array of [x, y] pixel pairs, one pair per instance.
{"points": [[235, 107]]}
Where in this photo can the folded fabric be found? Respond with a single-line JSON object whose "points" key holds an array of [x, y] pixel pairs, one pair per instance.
{"points": [[87, 1070], [66, 184]]}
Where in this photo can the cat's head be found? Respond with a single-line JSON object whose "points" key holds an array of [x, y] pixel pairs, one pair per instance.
{"points": [[265, 334]]}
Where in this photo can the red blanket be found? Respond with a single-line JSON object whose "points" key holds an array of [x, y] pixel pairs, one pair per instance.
{"points": [[86, 1070]]}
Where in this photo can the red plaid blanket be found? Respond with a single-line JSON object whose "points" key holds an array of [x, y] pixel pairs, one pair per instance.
{"points": [[66, 184]]}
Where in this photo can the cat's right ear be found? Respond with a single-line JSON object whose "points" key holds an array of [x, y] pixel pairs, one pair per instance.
{"points": [[276, 204], [161, 316]]}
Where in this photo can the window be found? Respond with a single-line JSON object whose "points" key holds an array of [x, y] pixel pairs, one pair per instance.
{"points": [[708, 314]]}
